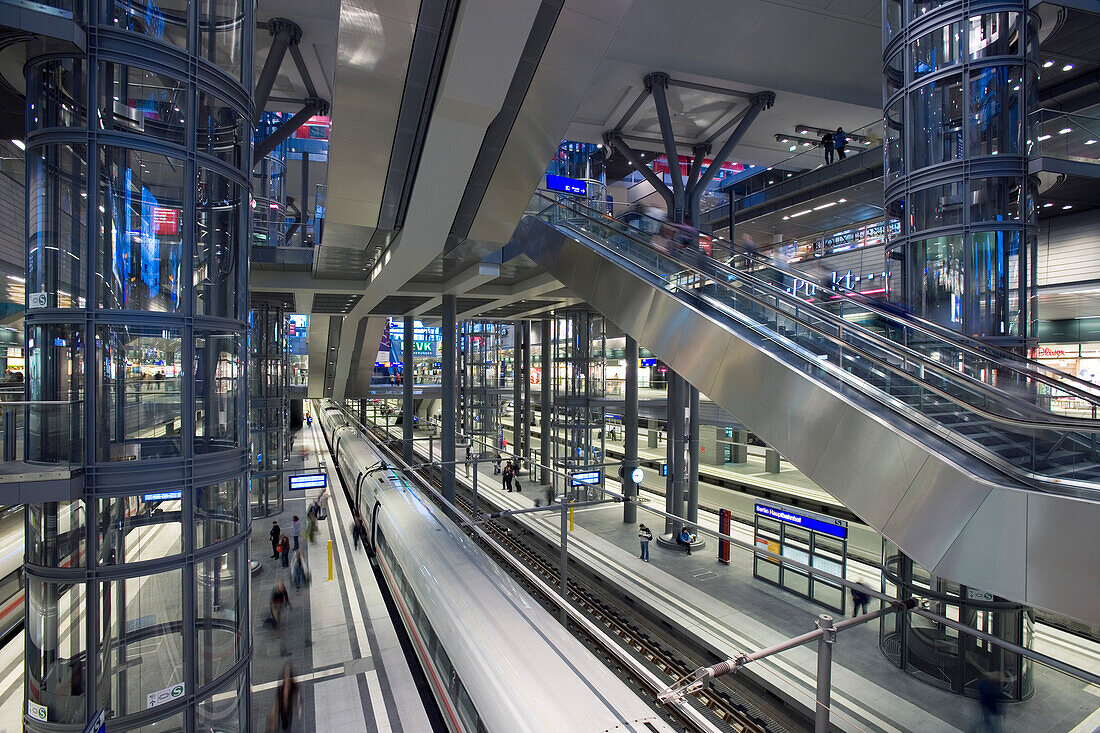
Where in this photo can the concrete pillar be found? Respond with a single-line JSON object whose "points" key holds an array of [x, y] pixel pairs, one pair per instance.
{"points": [[526, 430], [739, 451], [711, 445], [651, 435], [630, 432], [447, 440], [771, 460], [518, 416], [692, 498], [544, 407]]}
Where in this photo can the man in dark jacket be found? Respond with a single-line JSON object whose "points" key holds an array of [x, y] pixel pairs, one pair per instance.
{"points": [[840, 141], [509, 471], [275, 534]]}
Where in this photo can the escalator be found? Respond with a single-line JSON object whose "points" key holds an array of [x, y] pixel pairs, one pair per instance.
{"points": [[981, 465]]}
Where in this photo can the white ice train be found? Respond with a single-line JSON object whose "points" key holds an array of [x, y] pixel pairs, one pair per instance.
{"points": [[495, 659], [11, 570]]}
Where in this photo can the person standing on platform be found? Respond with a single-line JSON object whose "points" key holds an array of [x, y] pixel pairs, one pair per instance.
{"points": [[840, 141], [645, 536], [296, 530], [469, 455], [827, 146], [284, 551], [496, 464], [508, 473], [275, 534]]}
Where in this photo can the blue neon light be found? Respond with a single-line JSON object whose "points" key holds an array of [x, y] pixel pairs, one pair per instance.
{"points": [[839, 531], [567, 185]]}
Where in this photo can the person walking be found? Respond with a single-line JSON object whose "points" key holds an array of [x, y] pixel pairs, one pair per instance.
{"points": [[840, 141], [300, 573], [645, 536], [275, 534], [296, 530], [860, 599], [990, 697], [827, 146], [496, 464], [469, 455], [507, 476], [286, 702], [279, 603]]}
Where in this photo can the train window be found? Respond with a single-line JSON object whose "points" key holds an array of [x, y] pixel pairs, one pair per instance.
{"points": [[466, 709], [442, 661]]}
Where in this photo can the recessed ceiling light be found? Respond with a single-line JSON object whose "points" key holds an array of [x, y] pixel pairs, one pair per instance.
{"points": [[1048, 64], [19, 144], [825, 206], [801, 213], [1041, 138], [1065, 130], [785, 218], [1067, 67], [1067, 207], [1047, 205], [841, 201]]}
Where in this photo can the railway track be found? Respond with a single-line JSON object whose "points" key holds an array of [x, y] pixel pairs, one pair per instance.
{"points": [[722, 705]]}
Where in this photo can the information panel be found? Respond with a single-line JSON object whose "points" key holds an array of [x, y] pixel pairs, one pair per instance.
{"points": [[836, 527], [807, 538], [585, 478], [567, 185], [308, 481]]}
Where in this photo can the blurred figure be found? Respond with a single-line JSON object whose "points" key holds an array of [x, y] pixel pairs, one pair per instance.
{"points": [[990, 698], [300, 572], [279, 603], [285, 703], [860, 599]]}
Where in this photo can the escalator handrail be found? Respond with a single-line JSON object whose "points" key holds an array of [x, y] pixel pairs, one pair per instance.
{"points": [[1085, 425], [1041, 482], [1081, 388]]}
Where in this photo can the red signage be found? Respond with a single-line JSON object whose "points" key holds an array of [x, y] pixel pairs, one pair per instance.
{"points": [[1046, 351], [316, 128], [166, 221], [660, 165]]}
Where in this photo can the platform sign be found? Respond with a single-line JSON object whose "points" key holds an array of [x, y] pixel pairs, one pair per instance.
{"points": [[168, 694], [162, 496], [834, 527], [36, 711], [38, 300], [664, 469], [97, 724], [567, 185], [585, 478], [308, 481], [724, 521]]}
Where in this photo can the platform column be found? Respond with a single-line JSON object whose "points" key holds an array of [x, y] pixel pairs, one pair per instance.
{"points": [[447, 439], [693, 456], [407, 410], [525, 431], [630, 432], [518, 415], [545, 445]]}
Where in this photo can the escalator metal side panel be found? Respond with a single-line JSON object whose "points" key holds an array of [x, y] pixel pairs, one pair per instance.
{"points": [[951, 513]]}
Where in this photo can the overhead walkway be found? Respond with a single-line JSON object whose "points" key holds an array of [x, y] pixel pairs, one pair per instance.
{"points": [[896, 418]]}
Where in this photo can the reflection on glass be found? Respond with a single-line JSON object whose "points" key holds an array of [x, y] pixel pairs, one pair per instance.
{"points": [[218, 245], [218, 512], [936, 266], [138, 528], [139, 393], [218, 373], [55, 374], [141, 240], [937, 122], [55, 534], [165, 20], [996, 125], [222, 711], [221, 34], [140, 646], [936, 206], [221, 129], [220, 601], [894, 132], [57, 93], [994, 34], [994, 199], [56, 653], [132, 99], [995, 300], [57, 224], [937, 49]]}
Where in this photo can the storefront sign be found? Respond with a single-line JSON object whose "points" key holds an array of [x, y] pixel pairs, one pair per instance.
{"points": [[1049, 353]]}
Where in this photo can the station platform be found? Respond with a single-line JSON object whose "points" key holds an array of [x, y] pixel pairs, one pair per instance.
{"points": [[338, 636], [729, 612]]}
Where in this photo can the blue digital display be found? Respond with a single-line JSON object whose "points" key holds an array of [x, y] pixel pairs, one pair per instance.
{"points": [[664, 469], [566, 185], [308, 481], [163, 496], [585, 478], [647, 362], [839, 531]]}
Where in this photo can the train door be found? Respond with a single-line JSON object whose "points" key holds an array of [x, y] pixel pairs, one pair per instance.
{"points": [[374, 523]]}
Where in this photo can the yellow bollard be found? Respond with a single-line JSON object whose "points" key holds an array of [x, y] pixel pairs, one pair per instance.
{"points": [[570, 517], [330, 559]]}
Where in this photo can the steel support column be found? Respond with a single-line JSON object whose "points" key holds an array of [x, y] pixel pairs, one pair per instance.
{"points": [[313, 106], [447, 439], [657, 83], [518, 416], [284, 33], [630, 432], [693, 455], [526, 430], [544, 399], [615, 140], [407, 410]]}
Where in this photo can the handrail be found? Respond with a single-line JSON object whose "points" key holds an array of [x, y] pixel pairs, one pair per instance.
{"points": [[1072, 424], [972, 346]]}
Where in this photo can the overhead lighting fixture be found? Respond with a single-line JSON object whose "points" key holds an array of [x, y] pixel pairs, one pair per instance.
{"points": [[16, 279], [1067, 207], [1067, 67], [1047, 205], [18, 143], [793, 148], [801, 213], [1041, 138], [1065, 130], [785, 218], [1090, 142], [841, 201], [825, 206], [1048, 64]]}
